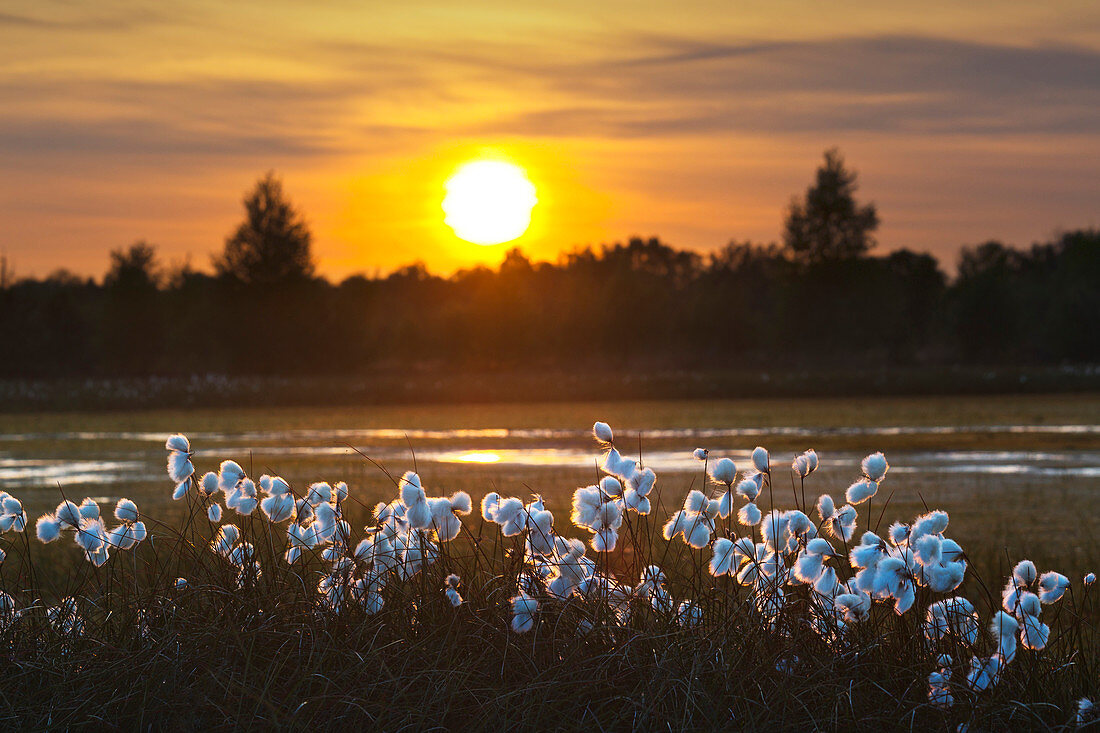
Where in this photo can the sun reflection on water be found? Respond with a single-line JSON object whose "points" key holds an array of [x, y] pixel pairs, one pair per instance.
{"points": [[478, 457]]}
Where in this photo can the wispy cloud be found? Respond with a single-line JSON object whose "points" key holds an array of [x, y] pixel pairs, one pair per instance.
{"points": [[898, 83]]}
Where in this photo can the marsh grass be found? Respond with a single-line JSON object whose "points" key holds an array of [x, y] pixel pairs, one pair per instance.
{"points": [[266, 653]]}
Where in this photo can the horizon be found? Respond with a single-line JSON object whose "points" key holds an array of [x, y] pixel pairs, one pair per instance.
{"points": [[132, 121]]}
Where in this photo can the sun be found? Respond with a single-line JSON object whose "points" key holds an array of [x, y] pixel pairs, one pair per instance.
{"points": [[488, 202]]}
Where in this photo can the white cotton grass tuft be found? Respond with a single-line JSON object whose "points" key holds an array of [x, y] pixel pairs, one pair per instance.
{"points": [[321, 492], [805, 464], [700, 454], [178, 442], [524, 608], [1025, 573], [12, 516], [760, 459], [1052, 586], [724, 472], [229, 475], [602, 433], [208, 486], [689, 614], [179, 464], [1089, 579], [842, 525], [1087, 713], [214, 513], [875, 467], [89, 508], [489, 505], [749, 515], [616, 465], [277, 507], [722, 561], [48, 528], [181, 584], [939, 689], [225, 539], [242, 497], [126, 511], [751, 486], [450, 589], [68, 514], [861, 491]]}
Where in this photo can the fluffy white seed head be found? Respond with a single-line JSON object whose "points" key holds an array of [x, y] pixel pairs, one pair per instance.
{"points": [[68, 514], [700, 454], [321, 493], [616, 465], [760, 459], [750, 486], [274, 485], [861, 491], [1052, 586], [524, 608], [489, 504], [749, 515], [610, 486], [89, 509], [875, 467], [1025, 573], [461, 503], [603, 434], [126, 511], [209, 484], [179, 466], [229, 475], [696, 501], [643, 481], [724, 472], [178, 442], [48, 528]]}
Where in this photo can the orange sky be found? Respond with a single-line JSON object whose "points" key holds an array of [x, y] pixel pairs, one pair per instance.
{"points": [[695, 121]]}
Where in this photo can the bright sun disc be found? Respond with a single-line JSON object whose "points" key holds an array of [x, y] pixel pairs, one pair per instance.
{"points": [[489, 202]]}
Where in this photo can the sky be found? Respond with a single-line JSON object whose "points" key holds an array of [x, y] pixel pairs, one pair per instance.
{"points": [[693, 121]]}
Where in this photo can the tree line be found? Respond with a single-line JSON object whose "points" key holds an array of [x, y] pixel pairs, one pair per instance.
{"points": [[819, 300]]}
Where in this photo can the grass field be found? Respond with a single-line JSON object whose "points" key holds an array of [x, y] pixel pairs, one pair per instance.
{"points": [[1020, 478]]}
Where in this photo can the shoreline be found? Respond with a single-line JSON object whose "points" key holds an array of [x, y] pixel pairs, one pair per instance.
{"points": [[541, 386]]}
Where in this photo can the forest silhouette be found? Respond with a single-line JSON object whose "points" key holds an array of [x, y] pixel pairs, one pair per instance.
{"points": [[821, 300]]}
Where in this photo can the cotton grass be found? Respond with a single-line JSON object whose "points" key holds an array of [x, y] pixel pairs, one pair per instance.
{"points": [[701, 577]]}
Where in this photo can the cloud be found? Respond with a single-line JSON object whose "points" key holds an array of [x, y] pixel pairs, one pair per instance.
{"points": [[95, 18], [188, 120], [879, 84]]}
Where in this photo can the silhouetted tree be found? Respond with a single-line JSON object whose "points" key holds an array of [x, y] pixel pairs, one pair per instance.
{"points": [[828, 225], [272, 245], [133, 269], [132, 332]]}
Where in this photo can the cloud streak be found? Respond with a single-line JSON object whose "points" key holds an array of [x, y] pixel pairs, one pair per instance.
{"points": [[908, 84]]}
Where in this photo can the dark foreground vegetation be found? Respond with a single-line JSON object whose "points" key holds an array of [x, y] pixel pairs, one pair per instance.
{"points": [[819, 302], [196, 627]]}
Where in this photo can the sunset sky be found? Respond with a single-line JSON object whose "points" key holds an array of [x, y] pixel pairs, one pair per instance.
{"points": [[695, 121]]}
